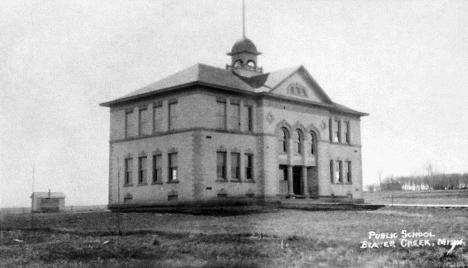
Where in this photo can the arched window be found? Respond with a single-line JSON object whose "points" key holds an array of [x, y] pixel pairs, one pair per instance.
{"points": [[313, 143], [284, 140], [251, 63], [298, 140], [238, 63]]}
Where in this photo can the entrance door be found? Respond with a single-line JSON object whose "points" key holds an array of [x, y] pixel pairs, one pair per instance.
{"points": [[283, 179], [297, 185], [312, 181]]}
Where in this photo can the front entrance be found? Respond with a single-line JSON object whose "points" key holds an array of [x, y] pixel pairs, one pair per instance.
{"points": [[297, 181], [303, 181], [312, 181]]}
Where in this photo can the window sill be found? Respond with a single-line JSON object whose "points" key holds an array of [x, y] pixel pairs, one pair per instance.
{"points": [[128, 185], [249, 181], [342, 183], [342, 143], [221, 180], [238, 181], [142, 184], [174, 181], [155, 183]]}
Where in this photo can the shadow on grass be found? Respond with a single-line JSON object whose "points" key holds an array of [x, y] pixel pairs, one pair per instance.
{"points": [[98, 233], [71, 251], [139, 246]]}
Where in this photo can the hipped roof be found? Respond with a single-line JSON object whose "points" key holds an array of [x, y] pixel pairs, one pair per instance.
{"points": [[205, 75]]}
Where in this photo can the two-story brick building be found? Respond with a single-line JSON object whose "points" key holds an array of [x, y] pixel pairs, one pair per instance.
{"points": [[209, 135]]}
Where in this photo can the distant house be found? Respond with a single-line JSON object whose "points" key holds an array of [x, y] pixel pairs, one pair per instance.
{"points": [[48, 201]]}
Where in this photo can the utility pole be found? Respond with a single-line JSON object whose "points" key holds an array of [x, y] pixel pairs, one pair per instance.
{"points": [[1, 230], [33, 201], [119, 219]]}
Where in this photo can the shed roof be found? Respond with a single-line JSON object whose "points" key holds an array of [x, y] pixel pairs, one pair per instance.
{"points": [[46, 195]]}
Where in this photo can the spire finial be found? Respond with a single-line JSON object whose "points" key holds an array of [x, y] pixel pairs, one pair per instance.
{"points": [[243, 18]]}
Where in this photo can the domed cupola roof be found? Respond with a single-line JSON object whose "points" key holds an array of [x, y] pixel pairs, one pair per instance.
{"points": [[244, 45]]}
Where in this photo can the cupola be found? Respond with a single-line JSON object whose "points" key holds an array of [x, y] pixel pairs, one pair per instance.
{"points": [[244, 58], [244, 54]]}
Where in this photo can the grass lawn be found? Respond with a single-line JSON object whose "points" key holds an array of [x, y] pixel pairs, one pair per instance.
{"points": [[436, 197], [274, 238]]}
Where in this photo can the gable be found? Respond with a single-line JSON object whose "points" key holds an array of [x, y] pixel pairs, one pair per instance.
{"points": [[297, 86]]}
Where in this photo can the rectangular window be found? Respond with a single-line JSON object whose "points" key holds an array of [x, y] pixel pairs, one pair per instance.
{"points": [[235, 116], [339, 174], [332, 171], [172, 115], [172, 161], [157, 175], [142, 169], [235, 166], [330, 129], [347, 132], [337, 131], [157, 118], [128, 124], [221, 165], [348, 172], [143, 120], [249, 118], [221, 114], [128, 170], [248, 166]]}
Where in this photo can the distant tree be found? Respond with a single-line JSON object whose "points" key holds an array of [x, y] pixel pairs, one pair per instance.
{"points": [[370, 187], [380, 177], [391, 184], [464, 178]]}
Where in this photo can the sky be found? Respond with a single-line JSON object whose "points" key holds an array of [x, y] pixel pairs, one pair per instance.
{"points": [[404, 62]]}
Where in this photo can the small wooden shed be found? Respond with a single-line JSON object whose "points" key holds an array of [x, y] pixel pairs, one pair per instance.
{"points": [[48, 201]]}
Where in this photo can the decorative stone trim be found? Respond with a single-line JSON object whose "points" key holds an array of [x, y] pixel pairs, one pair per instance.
{"points": [[248, 103], [172, 195], [249, 193], [270, 118], [157, 104], [172, 150], [299, 126], [235, 101], [221, 99], [172, 101], [222, 193], [157, 152], [173, 181], [128, 197], [172, 192]]}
